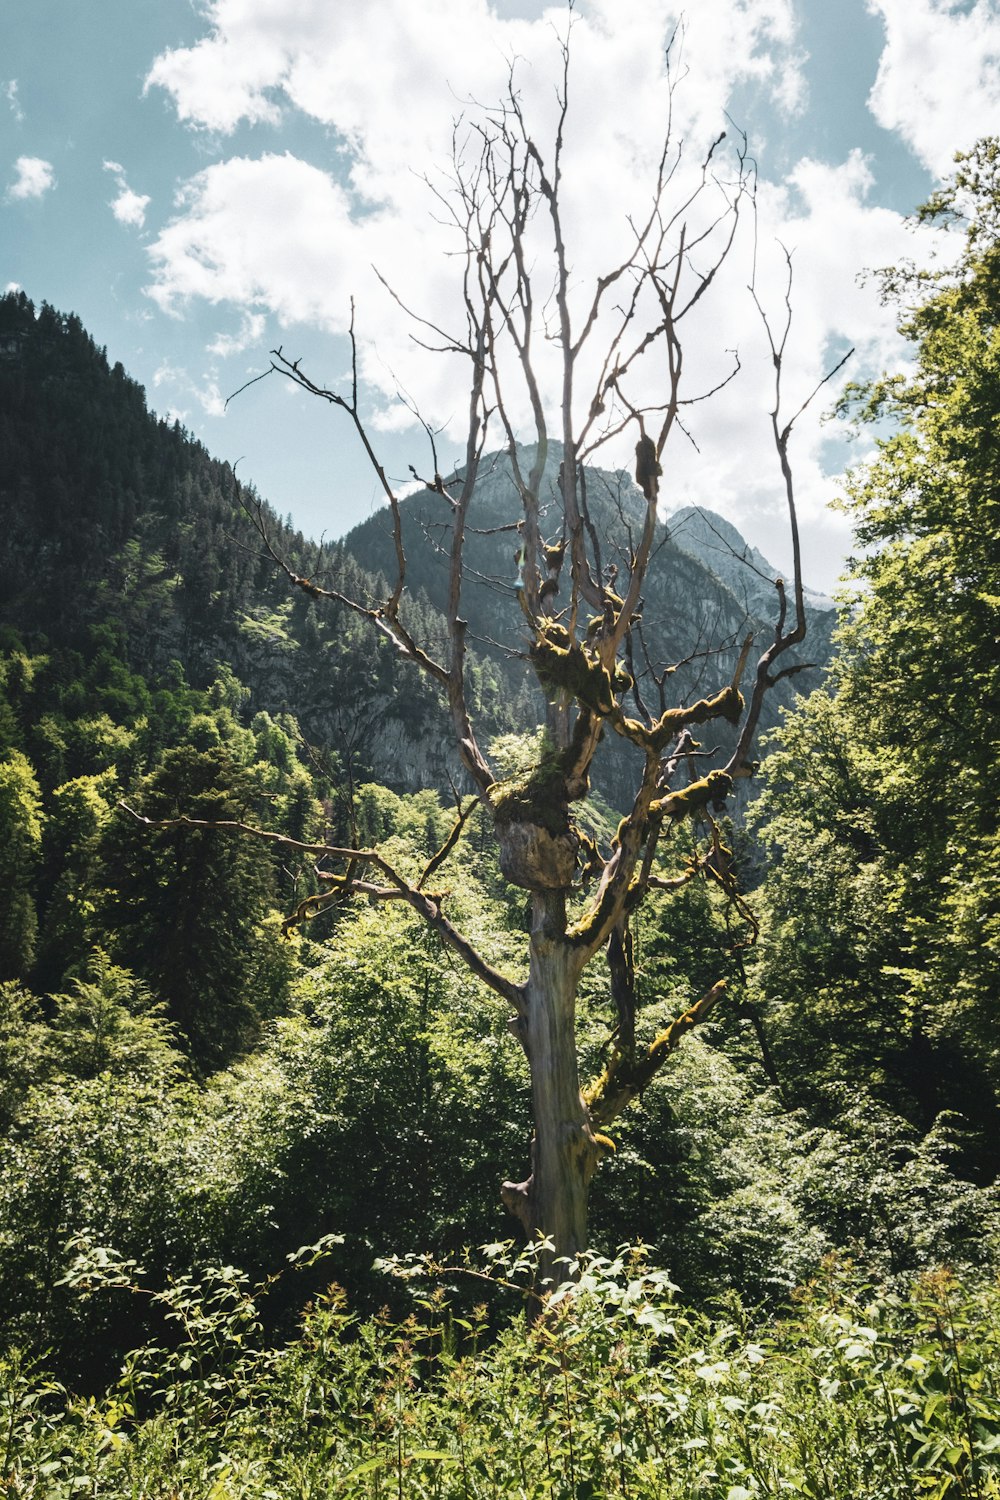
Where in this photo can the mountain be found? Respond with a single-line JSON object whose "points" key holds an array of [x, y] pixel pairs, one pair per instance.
{"points": [[119, 523], [706, 589], [704, 576], [744, 570]]}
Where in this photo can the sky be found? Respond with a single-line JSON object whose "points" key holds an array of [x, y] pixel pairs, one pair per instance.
{"points": [[204, 182]]}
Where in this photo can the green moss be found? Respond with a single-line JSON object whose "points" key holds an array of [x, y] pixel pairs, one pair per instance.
{"points": [[727, 704], [589, 857], [537, 796], [677, 805], [564, 666]]}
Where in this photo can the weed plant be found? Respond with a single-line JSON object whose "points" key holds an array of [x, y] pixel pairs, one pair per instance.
{"points": [[614, 1390]]}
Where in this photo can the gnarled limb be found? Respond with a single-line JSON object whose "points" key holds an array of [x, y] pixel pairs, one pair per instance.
{"points": [[625, 1077], [397, 888]]}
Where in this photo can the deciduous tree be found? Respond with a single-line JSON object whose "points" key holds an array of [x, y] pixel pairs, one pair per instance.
{"points": [[884, 909], [581, 608]]}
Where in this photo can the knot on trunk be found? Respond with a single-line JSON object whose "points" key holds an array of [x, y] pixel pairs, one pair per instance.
{"points": [[536, 859], [538, 842], [516, 1199]]}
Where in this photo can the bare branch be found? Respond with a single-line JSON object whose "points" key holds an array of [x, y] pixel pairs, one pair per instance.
{"points": [[783, 639], [439, 858], [388, 626], [624, 1078], [427, 905]]}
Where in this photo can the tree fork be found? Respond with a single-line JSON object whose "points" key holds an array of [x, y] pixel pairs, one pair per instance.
{"points": [[506, 302]]}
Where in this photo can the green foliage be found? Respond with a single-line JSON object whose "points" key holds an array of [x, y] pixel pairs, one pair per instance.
{"points": [[185, 904], [23, 1046], [716, 1173], [882, 954], [109, 1022], [352, 1113], [381, 1107], [381, 814], [920, 653], [20, 847], [79, 814], [97, 1155], [618, 1390]]}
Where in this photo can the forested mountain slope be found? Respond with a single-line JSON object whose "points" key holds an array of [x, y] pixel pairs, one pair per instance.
{"points": [[118, 522], [706, 586], [115, 520]]}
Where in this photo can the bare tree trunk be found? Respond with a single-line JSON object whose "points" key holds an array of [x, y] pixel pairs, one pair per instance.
{"points": [[565, 1151]]}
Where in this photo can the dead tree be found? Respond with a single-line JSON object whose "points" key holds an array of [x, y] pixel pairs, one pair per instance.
{"points": [[578, 619]]}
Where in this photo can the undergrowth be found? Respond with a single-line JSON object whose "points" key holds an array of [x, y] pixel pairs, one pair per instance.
{"points": [[615, 1390]]}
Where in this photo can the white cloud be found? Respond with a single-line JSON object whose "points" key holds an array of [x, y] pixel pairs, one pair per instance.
{"points": [[938, 80], [390, 79], [11, 95], [34, 178], [823, 216], [176, 380], [354, 67], [166, 373], [273, 231], [277, 235], [250, 334], [211, 398], [128, 207]]}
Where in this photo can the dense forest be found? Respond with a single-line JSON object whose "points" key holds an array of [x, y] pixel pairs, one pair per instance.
{"points": [[251, 1241]]}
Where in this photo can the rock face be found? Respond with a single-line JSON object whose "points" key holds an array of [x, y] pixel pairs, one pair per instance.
{"points": [[744, 570]]}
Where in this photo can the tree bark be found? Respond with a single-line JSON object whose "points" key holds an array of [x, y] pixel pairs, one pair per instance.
{"points": [[565, 1151]]}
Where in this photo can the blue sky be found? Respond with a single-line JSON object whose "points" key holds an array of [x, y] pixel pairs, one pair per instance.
{"points": [[201, 182]]}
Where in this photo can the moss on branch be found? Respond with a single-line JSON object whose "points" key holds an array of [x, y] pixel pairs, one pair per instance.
{"points": [[715, 787], [562, 665], [537, 796], [627, 1074]]}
